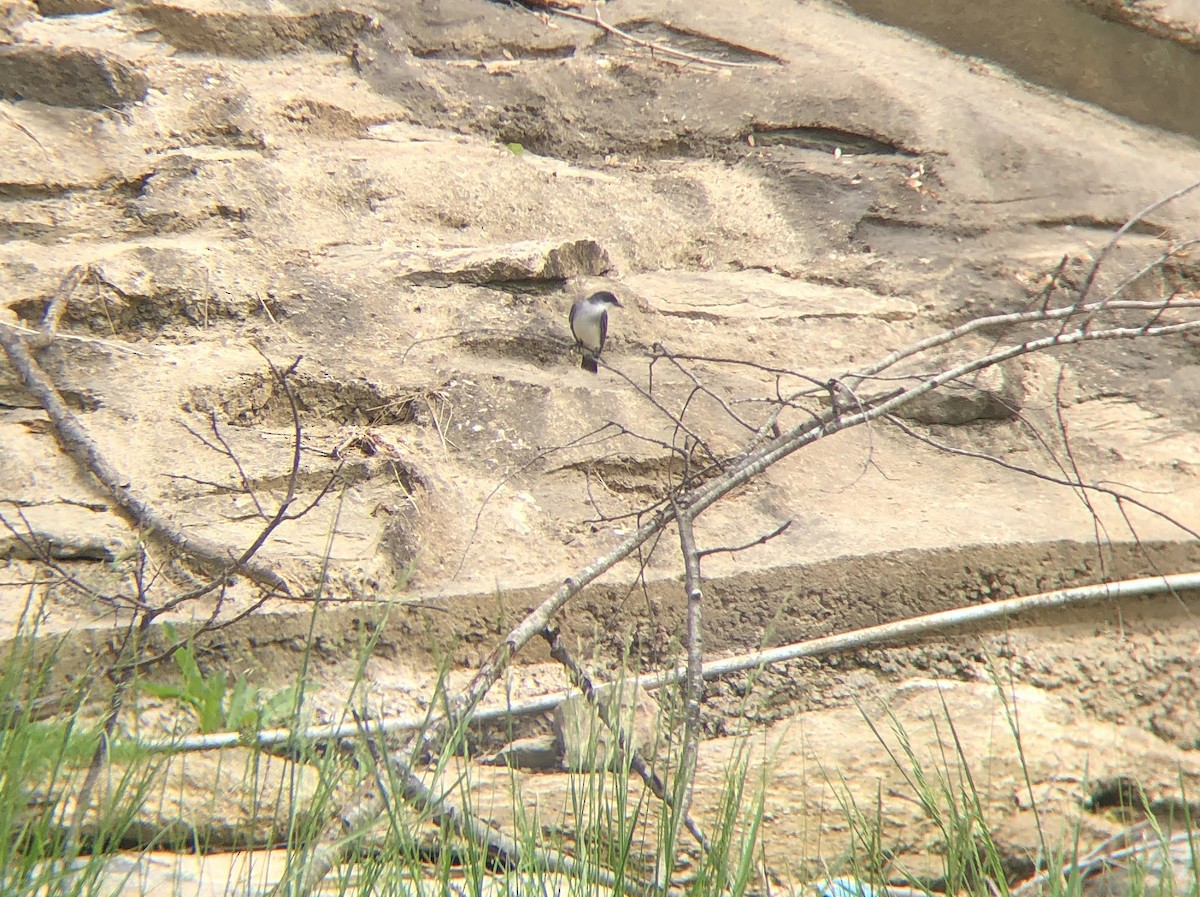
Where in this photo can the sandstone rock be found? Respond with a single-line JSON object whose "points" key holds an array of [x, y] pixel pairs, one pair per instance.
{"points": [[70, 76], [254, 35], [62, 531], [992, 394], [506, 264], [14, 13], [72, 7], [585, 741], [152, 287], [750, 296], [537, 752]]}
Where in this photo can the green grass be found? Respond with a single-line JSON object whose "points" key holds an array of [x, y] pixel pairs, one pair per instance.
{"points": [[609, 823]]}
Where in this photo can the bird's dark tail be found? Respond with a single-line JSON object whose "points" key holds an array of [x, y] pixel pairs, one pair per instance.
{"points": [[589, 364]]}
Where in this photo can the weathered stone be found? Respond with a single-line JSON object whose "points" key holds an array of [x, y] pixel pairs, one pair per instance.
{"points": [[72, 7], [255, 35], [536, 752], [586, 742], [69, 76], [533, 260], [995, 393], [62, 531], [751, 296], [14, 13]]}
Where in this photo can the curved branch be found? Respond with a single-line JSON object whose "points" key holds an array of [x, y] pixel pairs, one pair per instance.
{"points": [[80, 446]]}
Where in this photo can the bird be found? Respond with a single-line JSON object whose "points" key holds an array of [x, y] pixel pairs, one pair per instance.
{"points": [[589, 325]]}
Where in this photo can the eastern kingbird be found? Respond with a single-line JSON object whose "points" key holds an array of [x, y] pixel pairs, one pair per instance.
{"points": [[589, 325]]}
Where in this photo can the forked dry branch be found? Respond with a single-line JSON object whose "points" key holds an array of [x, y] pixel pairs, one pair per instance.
{"points": [[567, 9], [79, 445], [700, 479], [146, 603], [1083, 319]]}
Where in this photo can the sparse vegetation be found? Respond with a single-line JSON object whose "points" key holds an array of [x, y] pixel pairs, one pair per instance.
{"points": [[217, 704], [405, 254]]}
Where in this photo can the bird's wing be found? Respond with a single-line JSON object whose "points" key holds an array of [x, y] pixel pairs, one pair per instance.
{"points": [[603, 331], [571, 320]]}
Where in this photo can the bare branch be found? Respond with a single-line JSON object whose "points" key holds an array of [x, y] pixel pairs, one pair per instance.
{"points": [[761, 540], [34, 335], [595, 696], [660, 351], [1040, 475], [1086, 289], [652, 46], [855, 379], [693, 691], [648, 395], [76, 442]]}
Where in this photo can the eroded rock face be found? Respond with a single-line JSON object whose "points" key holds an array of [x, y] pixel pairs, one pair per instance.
{"points": [[249, 35], [69, 76], [403, 203]]}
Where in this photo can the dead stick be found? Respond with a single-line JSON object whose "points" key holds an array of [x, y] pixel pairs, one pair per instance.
{"points": [[693, 691], [58, 306], [652, 46], [579, 676], [76, 442], [448, 816]]}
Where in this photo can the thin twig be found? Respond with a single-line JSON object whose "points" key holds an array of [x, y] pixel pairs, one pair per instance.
{"points": [[28, 133], [1105, 856], [58, 304], [660, 351], [826, 424], [675, 419], [761, 540], [1086, 289], [1099, 530], [1040, 475], [652, 46], [596, 696], [854, 379]]}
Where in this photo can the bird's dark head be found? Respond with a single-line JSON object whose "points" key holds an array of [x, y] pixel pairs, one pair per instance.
{"points": [[604, 297]]}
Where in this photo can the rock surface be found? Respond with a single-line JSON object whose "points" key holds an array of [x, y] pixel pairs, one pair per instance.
{"points": [[407, 197]]}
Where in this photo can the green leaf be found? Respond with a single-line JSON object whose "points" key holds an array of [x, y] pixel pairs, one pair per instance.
{"points": [[165, 690]]}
